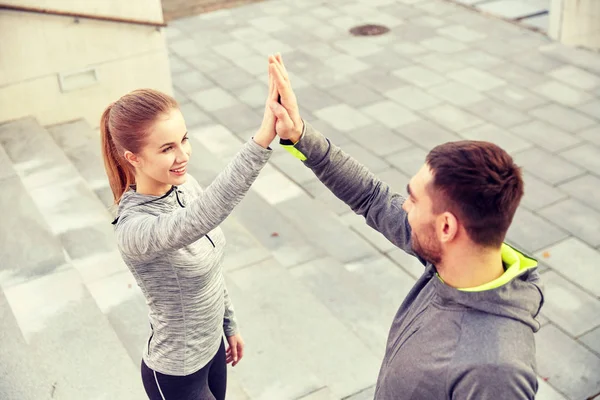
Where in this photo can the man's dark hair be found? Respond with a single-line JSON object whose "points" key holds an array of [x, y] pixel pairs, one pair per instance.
{"points": [[480, 184]]}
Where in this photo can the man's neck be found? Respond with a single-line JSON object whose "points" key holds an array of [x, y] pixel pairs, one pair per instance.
{"points": [[468, 267]]}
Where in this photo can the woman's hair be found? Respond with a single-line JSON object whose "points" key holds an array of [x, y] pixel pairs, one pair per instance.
{"points": [[124, 126]]}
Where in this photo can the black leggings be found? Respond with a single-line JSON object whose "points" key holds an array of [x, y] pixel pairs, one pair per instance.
{"points": [[209, 383]]}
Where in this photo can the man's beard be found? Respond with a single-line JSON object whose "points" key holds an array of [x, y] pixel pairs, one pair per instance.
{"points": [[426, 246]]}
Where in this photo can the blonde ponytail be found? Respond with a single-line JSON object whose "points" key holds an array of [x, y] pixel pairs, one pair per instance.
{"points": [[120, 176]]}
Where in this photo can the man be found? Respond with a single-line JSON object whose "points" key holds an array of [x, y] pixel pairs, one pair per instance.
{"points": [[465, 330]]}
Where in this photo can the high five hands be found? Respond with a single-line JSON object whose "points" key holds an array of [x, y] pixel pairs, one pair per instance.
{"points": [[288, 124]]}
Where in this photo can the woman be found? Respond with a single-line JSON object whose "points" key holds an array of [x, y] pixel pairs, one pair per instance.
{"points": [[167, 230]]}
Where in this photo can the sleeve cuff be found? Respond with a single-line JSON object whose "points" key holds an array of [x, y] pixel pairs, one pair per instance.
{"points": [[290, 146]]}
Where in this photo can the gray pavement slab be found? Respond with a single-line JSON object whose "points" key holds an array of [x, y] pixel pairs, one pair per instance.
{"points": [[547, 392], [191, 81], [355, 94], [546, 166], [509, 142], [243, 249], [568, 306], [6, 169], [213, 99], [516, 97], [275, 232], [453, 118], [539, 194], [408, 161], [498, 113], [419, 76], [23, 377], [439, 62], [57, 309], [592, 340], [575, 375], [477, 58], [390, 114], [380, 80], [532, 232], [585, 188], [545, 135], [456, 93], [477, 79], [194, 116], [364, 296], [269, 293], [426, 134], [323, 228], [575, 260], [585, 155], [245, 117], [577, 218], [592, 135], [379, 140], [563, 117], [358, 224], [592, 108], [343, 117], [562, 93], [407, 262], [23, 223], [517, 75], [230, 78], [413, 98]]}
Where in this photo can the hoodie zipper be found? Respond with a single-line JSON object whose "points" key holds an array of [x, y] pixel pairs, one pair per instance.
{"points": [[210, 240]]}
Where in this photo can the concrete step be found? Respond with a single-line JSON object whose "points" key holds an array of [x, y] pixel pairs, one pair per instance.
{"points": [[64, 281], [28, 246], [82, 146], [71, 210], [59, 343]]}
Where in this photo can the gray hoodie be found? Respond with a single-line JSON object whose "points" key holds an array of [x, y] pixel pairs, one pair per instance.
{"points": [[444, 343], [174, 247]]}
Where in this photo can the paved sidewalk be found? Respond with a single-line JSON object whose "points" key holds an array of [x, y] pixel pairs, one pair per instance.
{"points": [[314, 287]]}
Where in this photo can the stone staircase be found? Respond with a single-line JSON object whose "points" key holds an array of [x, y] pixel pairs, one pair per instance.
{"points": [[62, 280]]}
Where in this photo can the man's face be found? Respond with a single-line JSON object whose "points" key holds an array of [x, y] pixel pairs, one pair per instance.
{"points": [[419, 207]]}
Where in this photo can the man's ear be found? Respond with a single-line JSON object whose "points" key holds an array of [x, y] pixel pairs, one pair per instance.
{"points": [[447, 227]]}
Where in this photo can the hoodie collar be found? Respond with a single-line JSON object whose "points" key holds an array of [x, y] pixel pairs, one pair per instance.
{"points": [[517, 294], [131, 198]]}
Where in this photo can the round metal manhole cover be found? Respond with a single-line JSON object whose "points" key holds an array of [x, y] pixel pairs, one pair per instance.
{"points": [[369, 30]]}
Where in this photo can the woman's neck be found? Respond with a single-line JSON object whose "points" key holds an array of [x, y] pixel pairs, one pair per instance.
{"points": [[144, 185]]}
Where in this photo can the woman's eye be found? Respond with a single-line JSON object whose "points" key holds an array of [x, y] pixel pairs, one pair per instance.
{"points": [[184, 139], [166, 149]]}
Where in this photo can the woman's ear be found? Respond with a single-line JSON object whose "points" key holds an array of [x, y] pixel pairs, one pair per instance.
{"points": [[132, 159]]}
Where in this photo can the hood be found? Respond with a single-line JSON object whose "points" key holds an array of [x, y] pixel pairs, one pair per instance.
{"points": [[517, 294]]}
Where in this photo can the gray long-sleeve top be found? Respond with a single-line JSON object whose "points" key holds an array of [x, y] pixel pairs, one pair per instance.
{"points": [[174, 247]]}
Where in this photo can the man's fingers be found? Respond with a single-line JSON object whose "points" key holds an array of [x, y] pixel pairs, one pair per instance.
{"points": [[283, 88], [274, 61], [281, 114], [279, 59]]}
